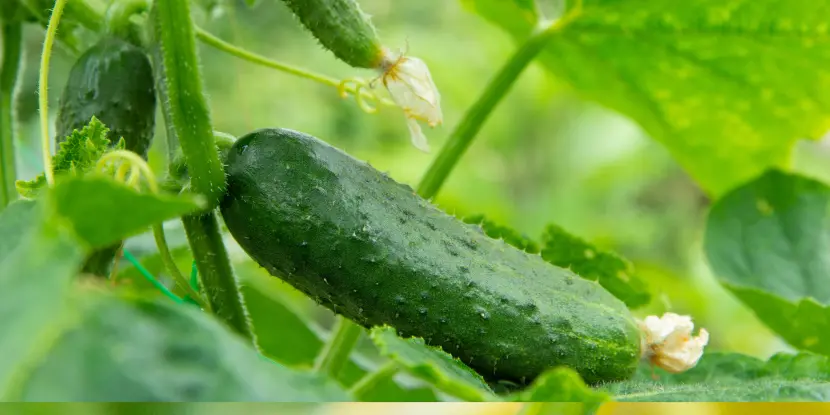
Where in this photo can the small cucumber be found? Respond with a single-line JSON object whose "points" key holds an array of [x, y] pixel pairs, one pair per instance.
{"points": [[341, 27], [372, 250], [112, 81]]}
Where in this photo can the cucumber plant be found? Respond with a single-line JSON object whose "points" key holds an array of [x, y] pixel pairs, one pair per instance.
{"points": [[283, 232]]}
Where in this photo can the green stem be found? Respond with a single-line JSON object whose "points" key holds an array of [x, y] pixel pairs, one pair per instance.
{"points": [[149, 277], [188, 122], [336, 352], [218, 279], [12, 51], [231, 49], [43, 88], [185, 107], [118, 16], [170, 264], [464, 133], [371, 380]]}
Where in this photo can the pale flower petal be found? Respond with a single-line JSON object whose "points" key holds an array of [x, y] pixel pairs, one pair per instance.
{"points": [[410, 84], [669, 344]]}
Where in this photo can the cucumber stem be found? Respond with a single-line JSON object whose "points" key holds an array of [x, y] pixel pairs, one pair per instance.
{"points": [[12, 51], [217, 276], [254, 58], [371, 380], [188, 122], [43, 89], [185, 107], [336, 352], [464, 133], [117, 18]]}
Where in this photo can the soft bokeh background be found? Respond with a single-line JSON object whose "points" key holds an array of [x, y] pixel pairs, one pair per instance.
{"points": [[544, 155]]}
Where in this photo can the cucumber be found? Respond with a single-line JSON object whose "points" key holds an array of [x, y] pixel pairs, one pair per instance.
{"points": [[342, 28], [370, 249], [112, 81]]}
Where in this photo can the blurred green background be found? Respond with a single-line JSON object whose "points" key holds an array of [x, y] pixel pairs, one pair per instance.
{"points": [[544, 156]]}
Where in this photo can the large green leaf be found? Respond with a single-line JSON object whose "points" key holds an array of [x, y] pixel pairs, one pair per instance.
{"points": [[769, 243], [613, 272], [103, 211], [123, 350], [735, 378], [727, 86], [38, 257], [432, 364]]}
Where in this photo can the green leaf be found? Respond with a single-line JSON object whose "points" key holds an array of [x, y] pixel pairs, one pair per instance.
{"points": [[726, 86], [735, 378], [77, 155], [124, 350], [432, 364], [96, 208], [286, 334], [613, 272], [768, 242], [38, 257], [560, 385], [497, 231]]}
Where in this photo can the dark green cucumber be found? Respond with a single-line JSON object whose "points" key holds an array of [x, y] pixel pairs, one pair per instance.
{"points": [[341, 27], [112, 81], [372, 250]]}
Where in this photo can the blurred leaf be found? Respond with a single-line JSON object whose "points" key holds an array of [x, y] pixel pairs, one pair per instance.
{"points": [[77, 155], [123, 350], [727, 86], [509, 235], [515, 16], [767, 242], [96, 207], [432, 364], [731, 377], [38, 257], [288, 336], [613, 272], [560, 385]]}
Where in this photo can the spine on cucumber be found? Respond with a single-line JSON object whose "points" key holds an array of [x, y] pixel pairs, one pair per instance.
{"points": [[112, 81], [372, 250], [341, 27]]}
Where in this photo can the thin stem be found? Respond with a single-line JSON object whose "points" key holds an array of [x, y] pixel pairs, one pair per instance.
{"points": [[371, 380], [170, 264], [214, 265], [335, 353], [474, 118], [51, 30], [226, 47], [12, 51]]}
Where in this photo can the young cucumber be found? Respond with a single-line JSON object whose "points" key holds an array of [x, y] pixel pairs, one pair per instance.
{"points": [[341, 27], [112, 81], [372, 250]]}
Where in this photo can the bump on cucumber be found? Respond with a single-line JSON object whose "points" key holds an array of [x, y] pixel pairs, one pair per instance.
{"points": [[372, 250]]}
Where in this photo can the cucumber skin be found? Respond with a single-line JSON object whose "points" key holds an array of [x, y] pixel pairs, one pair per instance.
{"points": [[113, 81], [341, 27], [372, 250]]}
